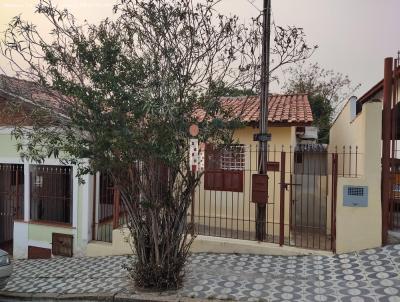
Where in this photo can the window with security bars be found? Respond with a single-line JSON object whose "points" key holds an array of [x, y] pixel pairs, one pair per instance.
{"points": [[51, 194], [224, 168]]}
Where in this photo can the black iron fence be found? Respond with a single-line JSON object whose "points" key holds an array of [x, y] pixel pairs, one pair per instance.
{"points": [[105, 210], [300, 207], [108, 206]]}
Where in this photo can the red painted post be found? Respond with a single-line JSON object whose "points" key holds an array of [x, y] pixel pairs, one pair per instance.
{"points": [[117, 196], [283, 187], [386, 134]]}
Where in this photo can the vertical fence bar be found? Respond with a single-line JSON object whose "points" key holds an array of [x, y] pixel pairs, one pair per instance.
{"points": [[282, 200]]}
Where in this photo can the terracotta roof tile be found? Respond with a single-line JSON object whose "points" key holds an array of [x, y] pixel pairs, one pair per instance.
{"points": [[293, 109], [282, 108]]}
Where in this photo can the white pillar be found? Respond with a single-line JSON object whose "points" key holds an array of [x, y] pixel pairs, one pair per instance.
{"points": [[21, 228], [75, 197]]}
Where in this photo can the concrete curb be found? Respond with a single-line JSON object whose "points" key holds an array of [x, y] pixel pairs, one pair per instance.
{"points": [[118, 297]]}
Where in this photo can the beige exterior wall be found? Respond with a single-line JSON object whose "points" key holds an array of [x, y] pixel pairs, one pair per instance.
{"points": [[121, 245], [359, 228], [233, 210]]}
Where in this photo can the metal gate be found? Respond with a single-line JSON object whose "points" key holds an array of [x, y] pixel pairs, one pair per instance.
{"points": [[310, 208], [299, 211], [11, 202]]}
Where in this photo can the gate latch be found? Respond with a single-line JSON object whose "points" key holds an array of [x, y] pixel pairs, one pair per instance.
{"points": [[286, 185]]}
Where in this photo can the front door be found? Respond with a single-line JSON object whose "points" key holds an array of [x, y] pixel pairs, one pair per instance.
{"points": [[11, 202]]}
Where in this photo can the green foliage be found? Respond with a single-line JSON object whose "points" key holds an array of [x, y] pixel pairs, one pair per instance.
{"points": [[223, 90], [326, 91]]}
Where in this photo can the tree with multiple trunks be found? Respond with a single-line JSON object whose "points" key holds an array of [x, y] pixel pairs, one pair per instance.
{"points": [[120, 95]]}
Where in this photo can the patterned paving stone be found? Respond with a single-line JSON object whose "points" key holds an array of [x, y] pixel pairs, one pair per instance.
{"points": [[370, 275]]}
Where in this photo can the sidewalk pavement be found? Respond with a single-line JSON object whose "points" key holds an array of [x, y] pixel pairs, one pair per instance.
{"points": [[371, 275]]}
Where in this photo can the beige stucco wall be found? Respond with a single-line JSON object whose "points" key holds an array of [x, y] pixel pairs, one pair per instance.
{"points": [[121, 245], [234, 211], [359, 228]]}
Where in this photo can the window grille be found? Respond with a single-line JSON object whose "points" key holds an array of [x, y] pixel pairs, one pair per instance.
{"points": [[51, 193], [233, 158]]}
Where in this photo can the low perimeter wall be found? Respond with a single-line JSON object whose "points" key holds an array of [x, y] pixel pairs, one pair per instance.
{"points": [[201, 244]]}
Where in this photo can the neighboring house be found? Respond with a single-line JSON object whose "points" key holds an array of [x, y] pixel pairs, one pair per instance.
{"points": [[42, 206]]}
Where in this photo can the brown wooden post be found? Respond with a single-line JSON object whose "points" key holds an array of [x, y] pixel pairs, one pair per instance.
{"points": [[386, 134], [334, 200], [283, 187], [393, 125], [117, 197]]}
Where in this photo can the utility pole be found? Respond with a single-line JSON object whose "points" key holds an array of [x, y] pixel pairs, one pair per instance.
{"points": [[264, 136]]}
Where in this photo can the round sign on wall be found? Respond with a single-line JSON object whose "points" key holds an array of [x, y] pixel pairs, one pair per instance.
{"points": [[194, 130]]}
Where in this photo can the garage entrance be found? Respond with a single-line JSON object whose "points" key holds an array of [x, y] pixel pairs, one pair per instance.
{"points": [[11, 202]]}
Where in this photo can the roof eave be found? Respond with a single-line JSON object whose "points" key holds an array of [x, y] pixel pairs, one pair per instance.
{"points": [[378, 87], [281, 124]]}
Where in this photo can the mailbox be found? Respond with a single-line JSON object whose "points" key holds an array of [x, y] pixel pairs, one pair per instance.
{"points": [[355, 196], [259, 189]]}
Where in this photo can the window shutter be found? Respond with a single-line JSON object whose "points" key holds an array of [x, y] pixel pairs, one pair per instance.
{"points": [[233, 181], [214, 180], [213, 176]]}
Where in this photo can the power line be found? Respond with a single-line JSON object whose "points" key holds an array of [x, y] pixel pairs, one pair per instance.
{"points": [[252, 4]]}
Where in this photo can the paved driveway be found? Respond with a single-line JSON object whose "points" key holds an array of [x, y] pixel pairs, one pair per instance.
{"points": [[371, 275]]}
